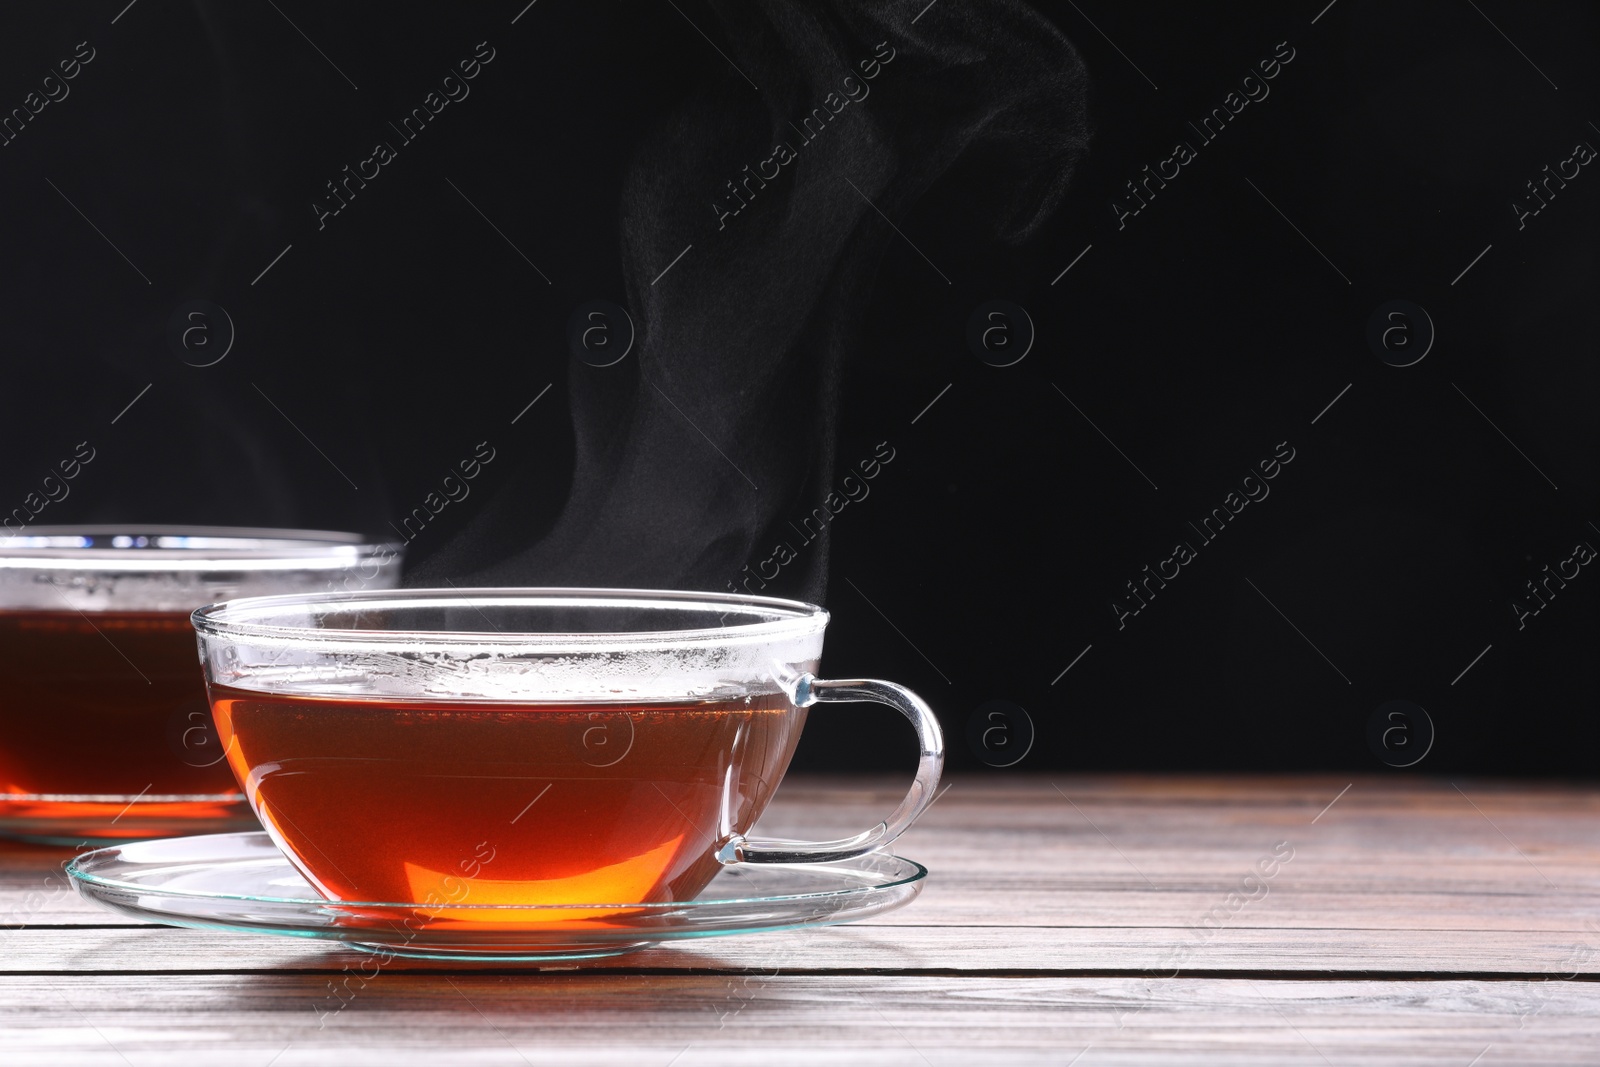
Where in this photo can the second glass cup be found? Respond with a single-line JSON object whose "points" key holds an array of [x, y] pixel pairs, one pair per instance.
{"points": [[105, 733]]}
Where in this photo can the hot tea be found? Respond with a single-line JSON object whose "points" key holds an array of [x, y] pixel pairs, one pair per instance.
{"points": [[101, 713], [467, 803]]}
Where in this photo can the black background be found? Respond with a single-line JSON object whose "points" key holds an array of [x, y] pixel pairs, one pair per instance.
{"points": [[1219, 321]]}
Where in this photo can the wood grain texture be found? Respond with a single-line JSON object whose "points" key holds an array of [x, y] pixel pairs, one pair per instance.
{"points": [[862, 948], [1412, 921], [674, 1021]]}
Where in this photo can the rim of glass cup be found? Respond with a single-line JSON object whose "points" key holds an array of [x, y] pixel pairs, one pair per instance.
{"points": [[141, 548], [769, 619]]}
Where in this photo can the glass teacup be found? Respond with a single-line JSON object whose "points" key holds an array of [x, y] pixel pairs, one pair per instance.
{"points": [[527, 746], [105, 733]]}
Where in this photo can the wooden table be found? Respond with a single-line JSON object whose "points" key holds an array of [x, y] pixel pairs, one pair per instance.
{"points": [[1068, 920]]}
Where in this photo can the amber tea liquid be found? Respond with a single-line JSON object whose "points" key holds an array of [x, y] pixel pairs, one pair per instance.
{"points": [[104, 729], [471, 803]]}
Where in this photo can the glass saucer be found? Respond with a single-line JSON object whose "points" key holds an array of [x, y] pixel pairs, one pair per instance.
{"points": [[243, 883]]}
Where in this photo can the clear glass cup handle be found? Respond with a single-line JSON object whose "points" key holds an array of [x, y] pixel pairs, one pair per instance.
{"points": [[736, 848]]}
